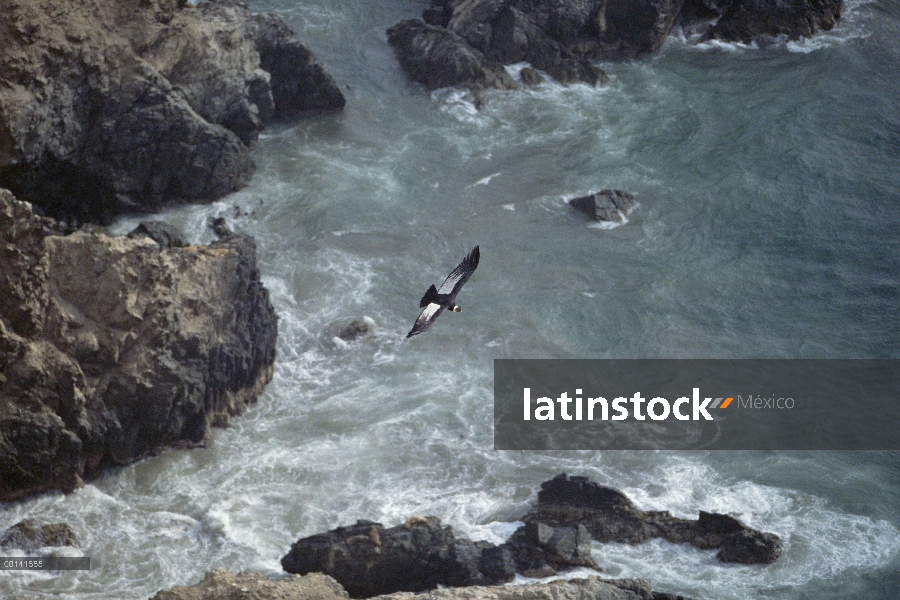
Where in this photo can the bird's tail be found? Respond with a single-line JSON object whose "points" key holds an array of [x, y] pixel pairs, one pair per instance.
{"points": [[429, 296]]}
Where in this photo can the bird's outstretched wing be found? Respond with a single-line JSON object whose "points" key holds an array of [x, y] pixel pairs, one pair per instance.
{"points": [[426, 319], [460, 275]]}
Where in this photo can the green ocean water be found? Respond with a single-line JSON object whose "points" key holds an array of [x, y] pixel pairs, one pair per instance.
{"points": [[769, 189]]}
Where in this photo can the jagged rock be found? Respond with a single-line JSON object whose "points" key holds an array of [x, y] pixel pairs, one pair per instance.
{"points": [[531, 77], [746, 20], [610, 516], [162, 233], [608, 205], [29, 535], [222, 585], [540, 550], [634, 28], [112, 106], [299, 83], [111, 347], [436, 58], [368, 559]]}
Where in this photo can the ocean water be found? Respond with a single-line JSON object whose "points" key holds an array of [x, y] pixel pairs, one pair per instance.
{"points": [[769, 188]]}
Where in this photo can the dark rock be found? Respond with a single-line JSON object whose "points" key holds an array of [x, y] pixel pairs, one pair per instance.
{"points": [[29, 535], [609, 205], [111, 347], [163, 234], [368, 559], [220, 227], [746, 20], [120, 106], [436, 58], [540, 550], [610, 516], [634, 28], [354, 330], [299, 83], [531, 77]]}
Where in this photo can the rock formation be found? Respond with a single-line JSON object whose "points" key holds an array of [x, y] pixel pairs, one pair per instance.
{"points": [[610, 516], [113, 347], [29, 535], [611, 206], [221, 585], [465, 43], [368, 559], [111, 106]]}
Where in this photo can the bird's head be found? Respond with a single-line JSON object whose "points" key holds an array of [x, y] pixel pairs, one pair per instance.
{"points": [[455, 308]]}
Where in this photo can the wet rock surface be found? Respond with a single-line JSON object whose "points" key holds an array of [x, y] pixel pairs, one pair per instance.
{"points": [[465, 43], [114, 347], [610, 516], [611, 206], [369, 559]]}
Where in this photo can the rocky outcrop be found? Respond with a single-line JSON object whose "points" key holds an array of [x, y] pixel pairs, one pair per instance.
{"points": [[29, 535], [436, 58], [369, 559], [464, 43], [113, 347], [543, 551], [222, 585], [299, 82], [610, 516], [111, 106], [610, 206], [746, 20]]}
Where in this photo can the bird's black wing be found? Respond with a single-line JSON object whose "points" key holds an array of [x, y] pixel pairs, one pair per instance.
{"points": [[460, 275], [432, 311]]}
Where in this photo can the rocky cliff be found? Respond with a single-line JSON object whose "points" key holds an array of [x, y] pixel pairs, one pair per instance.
{"points": [[111, 106], [113, 347]]}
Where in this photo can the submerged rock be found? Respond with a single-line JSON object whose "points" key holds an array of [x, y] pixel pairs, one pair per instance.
{"points": [[610, 516], [29, 535], [611, 206], [112, 348], [368, 559], [111, 106], [354, 330]]}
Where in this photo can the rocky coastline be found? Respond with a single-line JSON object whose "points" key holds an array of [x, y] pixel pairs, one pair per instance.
{"points": [[466, 43], [423, 558]]}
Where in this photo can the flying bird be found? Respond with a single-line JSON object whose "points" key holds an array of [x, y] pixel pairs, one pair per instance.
{"points": [[436, 300]]}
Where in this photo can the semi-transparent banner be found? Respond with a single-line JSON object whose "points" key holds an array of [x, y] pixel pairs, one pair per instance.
{"points": [[697, 404]]}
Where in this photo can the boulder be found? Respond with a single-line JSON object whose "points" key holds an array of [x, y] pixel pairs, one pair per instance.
{"points": [[299, 82], [540, 550], [437, 57], [163, 234], [113, 106], [354, 330], [114, 347], [29, 535], [611, 206], [610, 516], [368, 559], [746, 20]]}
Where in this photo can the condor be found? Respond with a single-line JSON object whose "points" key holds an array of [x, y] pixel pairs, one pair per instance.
{"points": [[436, 300]]}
